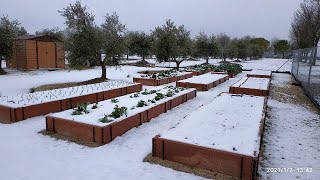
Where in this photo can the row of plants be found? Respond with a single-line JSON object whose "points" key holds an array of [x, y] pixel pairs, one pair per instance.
{"points": [[55, 94], [162, 75], [118, 111], [225, 67]]}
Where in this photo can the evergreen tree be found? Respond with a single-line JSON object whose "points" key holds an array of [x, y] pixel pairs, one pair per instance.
{"points": [[83, 42], [8, 31], [113, 42]]}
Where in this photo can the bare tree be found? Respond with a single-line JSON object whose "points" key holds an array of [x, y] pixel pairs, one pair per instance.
{"points": [[305, 28]]}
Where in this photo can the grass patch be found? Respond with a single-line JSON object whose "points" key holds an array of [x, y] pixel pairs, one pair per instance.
{"points": [[66, 85]]}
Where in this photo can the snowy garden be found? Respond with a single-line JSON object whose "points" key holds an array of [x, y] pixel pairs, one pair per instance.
{"points": [[158, 122]]}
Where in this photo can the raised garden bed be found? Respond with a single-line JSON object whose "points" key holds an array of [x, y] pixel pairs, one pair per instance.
{"points": [[198, 70], [165, 77], [223, 136], [24, 106], [112, 118], [260, 74], [251, 86], [203, 82]]}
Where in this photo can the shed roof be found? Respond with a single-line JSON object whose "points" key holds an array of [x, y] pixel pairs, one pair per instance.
{"points": [[30, 37]]}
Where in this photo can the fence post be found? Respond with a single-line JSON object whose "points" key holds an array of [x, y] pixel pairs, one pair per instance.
{"points": [[313, 57]]}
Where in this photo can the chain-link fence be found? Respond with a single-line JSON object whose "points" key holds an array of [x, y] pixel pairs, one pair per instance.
{"points": [[306, 70]]}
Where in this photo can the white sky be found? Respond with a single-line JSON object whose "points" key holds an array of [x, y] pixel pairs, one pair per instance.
{"points": [[259, 18]]}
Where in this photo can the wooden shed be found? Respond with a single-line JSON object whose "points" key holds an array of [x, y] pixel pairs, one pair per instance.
{"points": [[37, 52]]}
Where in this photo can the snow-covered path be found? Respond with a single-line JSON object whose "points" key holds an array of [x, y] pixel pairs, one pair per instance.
{"points": [[291, 138]]}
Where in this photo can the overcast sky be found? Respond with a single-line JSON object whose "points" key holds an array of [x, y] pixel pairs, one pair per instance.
{"points": [[259, 18]]}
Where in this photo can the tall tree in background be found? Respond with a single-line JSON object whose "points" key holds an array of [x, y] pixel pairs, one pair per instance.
{"points": [[140, 44], [184, 45], [113, 43], [8, 31], [305, 28], [205, 47], [171, 43], [83, 42], [281, 47], [54, 32], [223, 41]]}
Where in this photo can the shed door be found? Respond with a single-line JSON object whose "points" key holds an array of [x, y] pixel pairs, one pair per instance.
{"points": [[46, 54]]}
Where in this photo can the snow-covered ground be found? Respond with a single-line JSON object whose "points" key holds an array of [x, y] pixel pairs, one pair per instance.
{"points": [[261, 64], [17, 82], [204, 78], [282, 65], [260, 72], [27, 155], [291, 139], [3, 64]]}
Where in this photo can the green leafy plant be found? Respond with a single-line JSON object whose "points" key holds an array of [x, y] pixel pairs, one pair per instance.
{"points": [[95, 106], [118, 112], [80, 109], [159, 96], [170, 94], [114, 100], [105, 119], [152, 100], [142, 103]]}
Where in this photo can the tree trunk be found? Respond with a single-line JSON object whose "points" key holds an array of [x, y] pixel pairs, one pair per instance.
{"points": [[143, 57], [103, 69], [178, 65], [207, 60]]}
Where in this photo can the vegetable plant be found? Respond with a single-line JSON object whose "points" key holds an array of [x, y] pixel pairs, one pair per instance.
{"points": [[114, 100], [142, 103], [159, 96], [80, 109], [95, 106]]}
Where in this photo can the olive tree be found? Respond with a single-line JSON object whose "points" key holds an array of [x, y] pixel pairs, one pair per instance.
{"points": [[113, 43]]}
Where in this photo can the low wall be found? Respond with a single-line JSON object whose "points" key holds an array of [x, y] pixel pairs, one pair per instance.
{"points": [[159, 82], [11, 115], [202, 87], [259, 76], [103, 135]]}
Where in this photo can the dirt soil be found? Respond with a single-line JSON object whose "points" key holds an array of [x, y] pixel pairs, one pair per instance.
{"points": [[184, 168], [293, 94], [66, 85], [57, 136]]}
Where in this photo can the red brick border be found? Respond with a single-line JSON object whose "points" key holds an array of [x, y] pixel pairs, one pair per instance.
{"points": [[249, 91], [159, 82], [233, 164], [11, 115], [104, 135], [202, 87]]}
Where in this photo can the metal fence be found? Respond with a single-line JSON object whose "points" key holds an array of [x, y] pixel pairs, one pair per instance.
{"points": [[306, 70]]}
